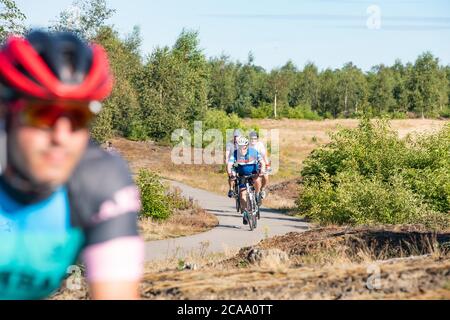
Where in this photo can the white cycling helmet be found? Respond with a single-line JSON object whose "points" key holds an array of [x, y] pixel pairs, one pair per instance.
{"points": [[242, 141]]}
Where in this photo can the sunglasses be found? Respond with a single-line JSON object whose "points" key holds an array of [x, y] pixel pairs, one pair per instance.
{"points": [[45, 114]]}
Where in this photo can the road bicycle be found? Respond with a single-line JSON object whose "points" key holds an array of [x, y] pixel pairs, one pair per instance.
{"points": [[252, 213]]}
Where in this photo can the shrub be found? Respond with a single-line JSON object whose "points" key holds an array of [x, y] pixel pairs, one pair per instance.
{"points": [[445, 113], [368, 175], [157, 201], [218, 119], [299, 112], [153, 196], [176, 200], [264, 111]]}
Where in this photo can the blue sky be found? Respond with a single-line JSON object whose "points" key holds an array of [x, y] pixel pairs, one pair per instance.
{"points": [[326, 32]]}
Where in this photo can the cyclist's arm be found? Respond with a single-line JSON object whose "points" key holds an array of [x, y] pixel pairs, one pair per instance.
{"points": [[230, 164], [262, 162], [264, 152], [228, 150], [107, 202]]}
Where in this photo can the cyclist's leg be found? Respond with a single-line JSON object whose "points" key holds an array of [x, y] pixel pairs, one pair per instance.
{"points": [[257, 184], [231, 187], [265, 182], [243, 202], [243, 196]]}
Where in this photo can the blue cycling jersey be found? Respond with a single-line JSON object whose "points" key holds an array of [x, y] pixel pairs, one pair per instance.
{"points": [[40, 239], [246, 164], [37, 245]]}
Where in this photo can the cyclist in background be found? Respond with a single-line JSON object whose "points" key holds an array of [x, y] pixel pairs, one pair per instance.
{"points": [[245, 161], [230, 148], [261, 148], [109, 148], [61, 195]]}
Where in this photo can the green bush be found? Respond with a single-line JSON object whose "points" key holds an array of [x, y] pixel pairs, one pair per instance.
{"points": [[299, 112], [445, 113], [218, 119], [264, 111], [176, 201], [137, 131], [157, 201], [368, 175], [154, 200]]}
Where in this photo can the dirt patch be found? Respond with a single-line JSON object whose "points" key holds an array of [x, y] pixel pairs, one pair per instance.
{"points": [[325, 263], [412, 279], [287, 189], [355, 244]]}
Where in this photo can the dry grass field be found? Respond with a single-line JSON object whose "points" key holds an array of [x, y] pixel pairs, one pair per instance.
{"points": [[297, 139], [181, 223]]}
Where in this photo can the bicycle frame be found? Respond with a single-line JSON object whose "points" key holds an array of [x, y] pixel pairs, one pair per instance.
{"points": [[252, 204]]}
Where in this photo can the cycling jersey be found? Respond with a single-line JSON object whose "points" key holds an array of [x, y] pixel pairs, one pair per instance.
{"points": [[246, 164], [95, 214], [2, 146], [259, 146]]}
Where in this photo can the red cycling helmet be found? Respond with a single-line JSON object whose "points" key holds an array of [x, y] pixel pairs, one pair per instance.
{"points": [[53, 66]]}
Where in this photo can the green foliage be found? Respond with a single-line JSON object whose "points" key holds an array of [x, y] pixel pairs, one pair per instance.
{"points": [[123, 104], [176, 201], [262, 112], [158, 202], [369, 175], [11, 19], [445, 113], [222, 92], [154, 200], [428, 86], [174, 86], [299, 112], [85, 17], [216, 119], [101, 129], [266, 111]]}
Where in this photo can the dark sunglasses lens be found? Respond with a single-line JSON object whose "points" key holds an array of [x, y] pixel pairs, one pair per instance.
{"points": [[79, 118], [45, 115], [40, 116]]}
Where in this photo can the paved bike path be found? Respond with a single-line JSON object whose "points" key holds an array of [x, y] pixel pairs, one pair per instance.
{"points": [[230, 232]]}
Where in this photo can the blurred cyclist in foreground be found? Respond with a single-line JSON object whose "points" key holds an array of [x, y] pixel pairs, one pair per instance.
{"points": [[61, 195]]}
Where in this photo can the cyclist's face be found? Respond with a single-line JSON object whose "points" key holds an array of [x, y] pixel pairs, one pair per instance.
{"points": [[50, 155], [243, 149], [253, 140]]}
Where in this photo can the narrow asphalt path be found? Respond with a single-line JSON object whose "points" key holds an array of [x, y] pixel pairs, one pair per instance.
{"points": [[230, 233]]}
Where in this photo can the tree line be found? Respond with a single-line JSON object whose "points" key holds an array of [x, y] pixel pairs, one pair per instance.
{"points": [[173, 86]]}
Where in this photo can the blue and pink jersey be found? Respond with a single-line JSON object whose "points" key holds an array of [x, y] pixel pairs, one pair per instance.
{"points": [[93, 216]]}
